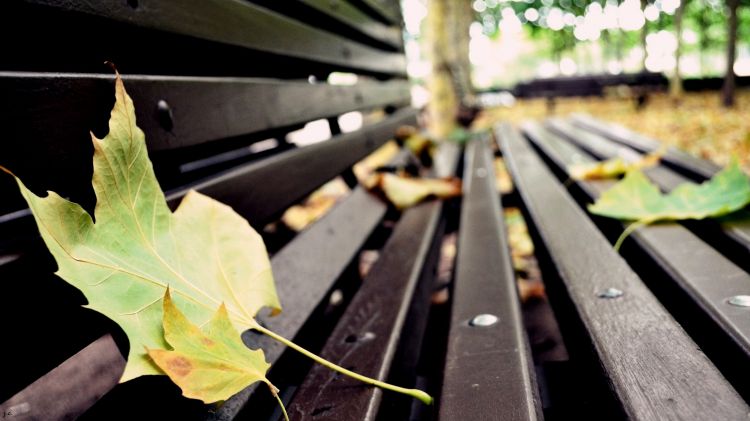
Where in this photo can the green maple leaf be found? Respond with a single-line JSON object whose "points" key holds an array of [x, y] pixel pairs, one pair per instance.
{"points": [[209, 364], [123, 262], [635, 198], [138, 251]]}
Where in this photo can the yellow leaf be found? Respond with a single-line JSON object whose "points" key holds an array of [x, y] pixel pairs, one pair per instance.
{"points": [[381, 157], [405, 192], [124, 261], [210, 364], [614, 167], [502, 177]]}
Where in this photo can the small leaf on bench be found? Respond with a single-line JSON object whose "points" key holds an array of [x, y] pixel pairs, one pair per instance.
{"points": [[635, 198], [405, 192], [211, 364], [614, 167]]}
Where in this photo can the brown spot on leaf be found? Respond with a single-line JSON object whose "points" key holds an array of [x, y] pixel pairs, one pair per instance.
{"points": [[207, 341], [180, 366]]}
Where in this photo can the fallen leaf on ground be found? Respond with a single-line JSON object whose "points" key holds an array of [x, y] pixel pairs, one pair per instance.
{"points": [[123, 263], [636, 198], [210, 364]]}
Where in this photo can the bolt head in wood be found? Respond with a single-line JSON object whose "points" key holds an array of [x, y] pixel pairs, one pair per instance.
{"points": [[483, 320], [610, 293], [740, 300]]}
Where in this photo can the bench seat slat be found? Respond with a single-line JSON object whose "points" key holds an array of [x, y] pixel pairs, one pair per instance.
{"points": [[678, 159], [240, 23], [72, 387], [655, 369], [488, 373], [369, 333], [706, 276]]}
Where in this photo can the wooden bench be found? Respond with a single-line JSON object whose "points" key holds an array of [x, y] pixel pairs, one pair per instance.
{"points": [[213, 79]]}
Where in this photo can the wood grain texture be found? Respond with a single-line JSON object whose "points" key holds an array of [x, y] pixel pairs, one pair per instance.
{"points": [[72, 387], [707, 276], [227, 22], [655, 369], [488, 372]]}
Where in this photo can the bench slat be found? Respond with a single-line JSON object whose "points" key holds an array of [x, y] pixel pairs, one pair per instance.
{"points": [[704, 274], [737, 229], [240, 23], [306, 270], [488, 373], [294, 173], [367, 336], [678, 159], [355, 18], [72, 387], [655, 369], [388, 9], [204, 109]]}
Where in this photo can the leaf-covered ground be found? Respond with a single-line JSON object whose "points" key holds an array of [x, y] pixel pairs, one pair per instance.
{"points": [[698, 125]]}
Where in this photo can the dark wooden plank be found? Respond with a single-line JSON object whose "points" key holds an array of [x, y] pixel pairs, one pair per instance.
{"points": [[705, 275], [388, 10], [355, 18], [654, 368], [680, 160], [295, 173], [737, 228], [71, 388], [367, 336], [228, 22], [342, 18], [306, 269], [203, 109], [489, 374]]}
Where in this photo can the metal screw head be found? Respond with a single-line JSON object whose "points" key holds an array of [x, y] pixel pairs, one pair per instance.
{"points": [[610, 293], [483, 320], [740, 300], [481, 173], [164, 115]]}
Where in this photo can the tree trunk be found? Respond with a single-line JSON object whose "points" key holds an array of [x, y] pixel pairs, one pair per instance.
{"points": [[675, 84], [460, 17], [443, 104], [727, 92], [449, 83]]}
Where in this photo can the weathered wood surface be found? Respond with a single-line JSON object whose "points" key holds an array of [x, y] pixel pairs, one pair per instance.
{"points": [[655, 370]]}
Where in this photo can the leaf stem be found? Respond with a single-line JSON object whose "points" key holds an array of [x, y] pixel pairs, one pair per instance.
{"points": [[275, 393], [629, 230], [415, 393]]}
